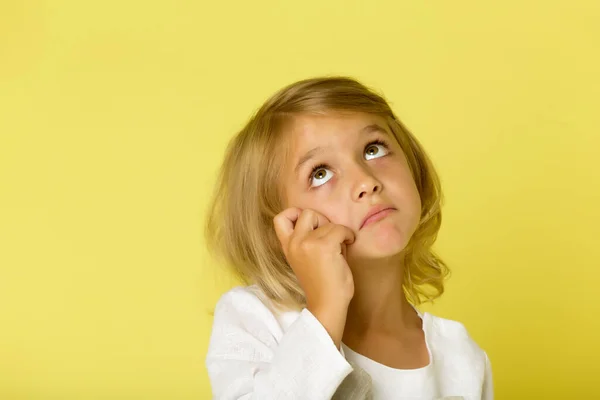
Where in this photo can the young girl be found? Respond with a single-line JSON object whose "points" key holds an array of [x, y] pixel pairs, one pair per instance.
{"points": [[327, 208]]}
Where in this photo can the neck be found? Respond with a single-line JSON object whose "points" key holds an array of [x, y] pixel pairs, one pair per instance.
{"points": [[379, 305]]}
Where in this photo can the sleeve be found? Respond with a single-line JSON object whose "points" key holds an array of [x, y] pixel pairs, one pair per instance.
{"points": [[488, 384], [246, 361]]}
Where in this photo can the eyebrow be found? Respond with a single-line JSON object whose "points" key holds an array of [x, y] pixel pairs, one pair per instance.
{"points": [[369, 129]]}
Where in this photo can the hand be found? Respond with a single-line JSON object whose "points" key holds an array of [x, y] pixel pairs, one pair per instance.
{"points": [[316, 251]]}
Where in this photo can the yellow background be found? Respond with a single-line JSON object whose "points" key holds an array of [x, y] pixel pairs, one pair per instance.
{"points": [[113, 120]]}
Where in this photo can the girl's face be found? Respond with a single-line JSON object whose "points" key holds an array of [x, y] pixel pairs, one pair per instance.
{"points": [[347, 167]]}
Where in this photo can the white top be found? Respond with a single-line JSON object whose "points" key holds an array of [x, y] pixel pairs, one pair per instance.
{"points": [[256, 352], [392, 383]]}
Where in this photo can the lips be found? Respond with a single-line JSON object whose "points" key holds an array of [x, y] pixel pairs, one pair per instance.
{"points": [[376, 213]]}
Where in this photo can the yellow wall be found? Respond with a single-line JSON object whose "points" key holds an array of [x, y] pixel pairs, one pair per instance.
{"points": [[113, 119]]}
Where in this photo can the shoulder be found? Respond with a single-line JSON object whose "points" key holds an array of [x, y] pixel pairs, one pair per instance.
{"points": [[240, 297], [244, 326], [451, 338], [245, 302], [459, 359], [248, 308]]}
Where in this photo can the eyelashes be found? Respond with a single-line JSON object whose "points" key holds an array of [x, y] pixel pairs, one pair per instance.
{"points": [[316, 168], [325, 167]]}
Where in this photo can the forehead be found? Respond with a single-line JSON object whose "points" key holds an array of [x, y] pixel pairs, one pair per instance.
{"points": [[310, 130]]}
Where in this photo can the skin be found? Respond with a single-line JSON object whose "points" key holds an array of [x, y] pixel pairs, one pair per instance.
{"points": [[352, 274]]}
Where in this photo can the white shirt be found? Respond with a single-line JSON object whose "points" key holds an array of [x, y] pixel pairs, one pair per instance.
{"points": [[391, 383], [258, 352]]}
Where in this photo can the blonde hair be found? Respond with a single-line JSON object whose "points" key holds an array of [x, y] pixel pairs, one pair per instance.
{"points": [[239, 225]]}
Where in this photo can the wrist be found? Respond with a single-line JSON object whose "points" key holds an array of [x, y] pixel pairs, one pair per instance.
{"points": [[333, 319]]}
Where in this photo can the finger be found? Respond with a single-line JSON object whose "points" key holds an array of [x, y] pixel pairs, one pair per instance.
{"points": [[284, 223], [337, 232], [341, 234], [323, 231], [310, 220]]}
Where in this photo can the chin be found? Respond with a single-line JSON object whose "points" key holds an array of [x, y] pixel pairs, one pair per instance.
{"points": [[381, 243]]}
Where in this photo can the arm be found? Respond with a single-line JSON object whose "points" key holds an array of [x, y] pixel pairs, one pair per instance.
{"points": [[246, 361], [488, 385]]}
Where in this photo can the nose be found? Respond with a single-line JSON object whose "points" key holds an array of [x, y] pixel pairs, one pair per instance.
{"points": [[365, 184]]}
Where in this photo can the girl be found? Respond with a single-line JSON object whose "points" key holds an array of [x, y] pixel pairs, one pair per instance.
{"points": [[327, 208]]}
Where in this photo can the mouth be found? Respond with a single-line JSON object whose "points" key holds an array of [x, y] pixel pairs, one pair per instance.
{"points": [[375, 214]]}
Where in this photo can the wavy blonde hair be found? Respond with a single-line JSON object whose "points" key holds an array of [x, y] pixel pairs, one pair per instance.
{"points": [[239, 226]]}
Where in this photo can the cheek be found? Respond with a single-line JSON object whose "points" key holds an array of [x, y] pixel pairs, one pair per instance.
{"points": [[410, 192], [403, 188], [327, 205], [335, 214], [413, 203], [331, 210]]}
